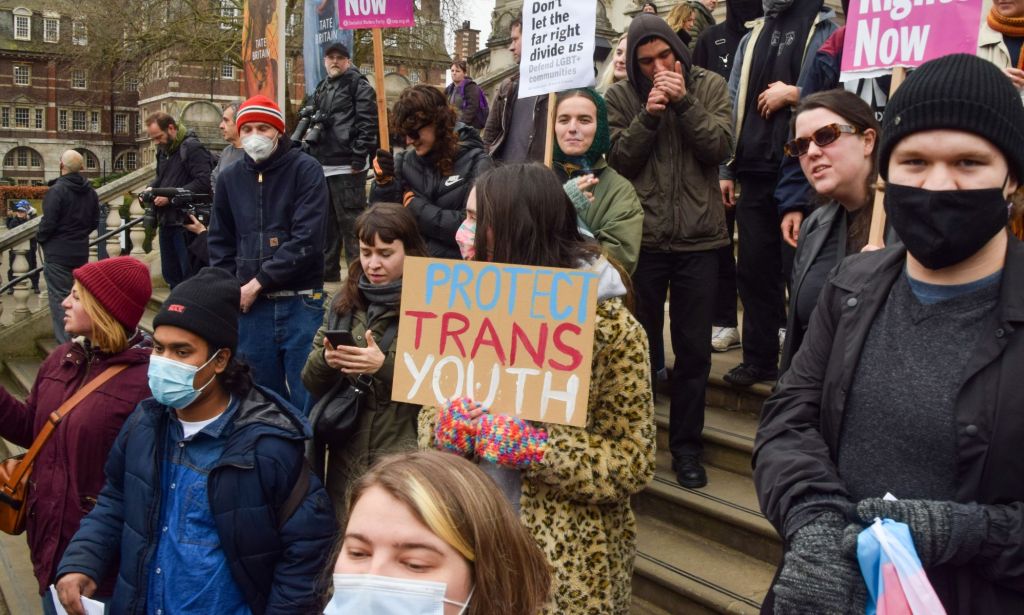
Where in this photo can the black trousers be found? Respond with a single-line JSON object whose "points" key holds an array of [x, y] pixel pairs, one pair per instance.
{"points": [[725, 299], [348, 200], [759, 271], [691, 278]]}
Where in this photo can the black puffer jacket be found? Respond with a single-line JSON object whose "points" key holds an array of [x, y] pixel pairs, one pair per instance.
{"points": [[438, 201], [350, 130], [71, 210]]}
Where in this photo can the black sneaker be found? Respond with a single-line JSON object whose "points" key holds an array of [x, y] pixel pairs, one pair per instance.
{"points": [[745, 375], [689, 472]]}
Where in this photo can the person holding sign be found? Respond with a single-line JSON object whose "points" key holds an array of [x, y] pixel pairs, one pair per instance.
{"points": [[907, 381], [516, 129], [432, 177], [836, 136], [606, 202], [670, 129], [576, 481], [460, 547], [366, 309]]}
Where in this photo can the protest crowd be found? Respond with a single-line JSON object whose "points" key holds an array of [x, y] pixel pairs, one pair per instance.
{"points": [[252, 454]]}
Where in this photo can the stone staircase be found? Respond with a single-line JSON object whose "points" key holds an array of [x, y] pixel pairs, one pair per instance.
{"points": [[700, 551], [707, 550]]}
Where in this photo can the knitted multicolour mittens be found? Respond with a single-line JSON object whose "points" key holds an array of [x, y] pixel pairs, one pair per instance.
{"points": [[455, 431], [510, 442]]}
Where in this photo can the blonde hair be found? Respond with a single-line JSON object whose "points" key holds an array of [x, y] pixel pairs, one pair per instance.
{"points": [[463, 507], [107, 334], [607, 76], [678, 15]]}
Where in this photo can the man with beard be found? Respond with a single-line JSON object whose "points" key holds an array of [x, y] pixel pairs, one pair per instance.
{"points": [[347, 139]]}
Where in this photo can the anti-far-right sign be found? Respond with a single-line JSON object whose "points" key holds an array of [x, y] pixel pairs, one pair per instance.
{"points": [[884, 34]]}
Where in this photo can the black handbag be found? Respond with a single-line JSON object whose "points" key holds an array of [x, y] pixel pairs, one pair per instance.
{"points": [[335, 416]]}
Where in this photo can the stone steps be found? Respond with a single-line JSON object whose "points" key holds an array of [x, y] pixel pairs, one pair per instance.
{"points": [[707, 550]]}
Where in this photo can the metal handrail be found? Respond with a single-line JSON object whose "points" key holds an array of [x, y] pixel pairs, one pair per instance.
{"points": [[100, 239]]}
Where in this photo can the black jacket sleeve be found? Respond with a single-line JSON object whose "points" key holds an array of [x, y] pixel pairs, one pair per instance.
{"points": [[365, 142], [199, 162], [53, 211]]}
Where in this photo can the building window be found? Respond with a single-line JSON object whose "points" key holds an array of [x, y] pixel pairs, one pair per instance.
{"points": [[62, 119], [78, 120], [120, 123], [94, 121], [130, 161], [227, 71], [78, 79], [22, 160], [78, 33], [90, 161], [23, 27], [21, 117], [5, 117], [229, 14], [22, 74], [131, 84], [51, 29], [39, 119], [23, 157]]}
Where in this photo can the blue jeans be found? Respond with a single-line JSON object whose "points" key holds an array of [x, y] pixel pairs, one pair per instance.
{"points": [[275, 337], [58, 286], [174, 255]]}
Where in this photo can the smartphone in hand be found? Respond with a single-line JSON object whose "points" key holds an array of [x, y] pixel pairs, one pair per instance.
{"points": [[340, 337]]}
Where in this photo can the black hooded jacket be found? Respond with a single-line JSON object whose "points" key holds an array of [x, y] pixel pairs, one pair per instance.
{"points": [[437, 201], [716, 47], [71, 210]]}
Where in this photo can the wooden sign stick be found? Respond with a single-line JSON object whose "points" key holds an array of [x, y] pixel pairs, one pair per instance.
{"points": [[549, 132], [876, 235], [378, 79]]}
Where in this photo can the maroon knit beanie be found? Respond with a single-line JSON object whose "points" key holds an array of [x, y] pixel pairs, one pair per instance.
{"points": [[121, 285]]}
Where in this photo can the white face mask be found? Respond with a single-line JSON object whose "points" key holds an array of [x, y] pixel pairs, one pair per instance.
{"points": [[258, 147], [369, 593]]}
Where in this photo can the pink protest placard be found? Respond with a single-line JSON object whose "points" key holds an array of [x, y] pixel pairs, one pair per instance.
{"points": [[884, 34], [363, 14]]}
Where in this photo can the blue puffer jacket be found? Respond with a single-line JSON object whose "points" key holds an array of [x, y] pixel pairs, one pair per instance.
{"points": [[269, 219], [277, 563]]}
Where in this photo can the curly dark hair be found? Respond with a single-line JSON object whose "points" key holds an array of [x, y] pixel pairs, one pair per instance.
{"points": [[424, 105]]}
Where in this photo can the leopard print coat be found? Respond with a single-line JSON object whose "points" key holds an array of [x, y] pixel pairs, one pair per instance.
{"points": [[576, 501]]}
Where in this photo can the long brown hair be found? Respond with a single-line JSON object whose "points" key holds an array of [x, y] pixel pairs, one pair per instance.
{"points": [[389, 221], [529, 218], [421, 105], [463, 507], [859, 114]]}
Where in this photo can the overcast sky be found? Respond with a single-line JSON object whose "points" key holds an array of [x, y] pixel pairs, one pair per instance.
{"points": [[478, 12]]}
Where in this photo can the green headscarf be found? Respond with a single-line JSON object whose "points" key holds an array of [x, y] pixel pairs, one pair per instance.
{"points": [[602, 141]]}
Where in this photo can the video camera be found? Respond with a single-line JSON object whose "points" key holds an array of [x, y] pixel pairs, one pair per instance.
{"points": [[310, 126], [183, 204]]}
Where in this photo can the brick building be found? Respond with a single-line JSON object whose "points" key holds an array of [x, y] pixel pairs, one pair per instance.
{"points": [[48, 104]]}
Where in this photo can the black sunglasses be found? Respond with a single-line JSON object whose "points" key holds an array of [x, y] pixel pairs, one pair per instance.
{"points": [[823, 136], [414, 134]]}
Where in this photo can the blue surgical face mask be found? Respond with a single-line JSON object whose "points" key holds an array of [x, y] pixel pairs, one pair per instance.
{"points": [[171, 382], [368, 593]]}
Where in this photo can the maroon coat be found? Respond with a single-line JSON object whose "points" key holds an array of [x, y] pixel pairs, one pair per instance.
{"points": [[68, 473]]}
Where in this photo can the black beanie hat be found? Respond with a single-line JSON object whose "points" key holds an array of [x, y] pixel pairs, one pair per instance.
{"points": [[205, 304], [957, 92]]}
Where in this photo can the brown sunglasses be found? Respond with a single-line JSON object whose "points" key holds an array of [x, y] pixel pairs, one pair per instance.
{"points": [[823, 136]]}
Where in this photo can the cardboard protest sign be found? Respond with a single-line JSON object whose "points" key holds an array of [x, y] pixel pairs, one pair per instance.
{"points": [[518, 339], [883, 34], [359, 14], [558, 46]]}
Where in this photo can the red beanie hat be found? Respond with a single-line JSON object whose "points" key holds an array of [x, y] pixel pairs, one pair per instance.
{"points": [[260, 109], [121, 285]]}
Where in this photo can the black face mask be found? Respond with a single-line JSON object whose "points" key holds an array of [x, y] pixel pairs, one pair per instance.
{"points": [[943, 227]]}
